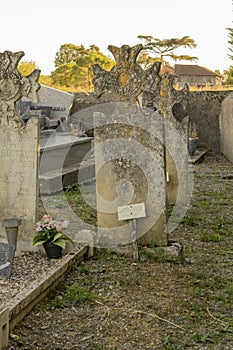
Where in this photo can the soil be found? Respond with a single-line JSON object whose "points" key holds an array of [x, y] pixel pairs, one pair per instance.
{"points": [[113, 302]]}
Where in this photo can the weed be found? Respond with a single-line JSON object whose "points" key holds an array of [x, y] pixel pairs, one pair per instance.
{"points": [[206, 236], [168, 344], [80, 207], [86, 270], [191, 221], [74, 294], [107, 254], [204, 280], [201, 338], [157, 254], [221, 227]]}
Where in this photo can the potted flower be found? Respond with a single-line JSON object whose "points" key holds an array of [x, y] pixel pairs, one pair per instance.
{"points": [[49, 234]]}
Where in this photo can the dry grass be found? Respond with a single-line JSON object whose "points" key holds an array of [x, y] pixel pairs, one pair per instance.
{"points": [[151, 304]]}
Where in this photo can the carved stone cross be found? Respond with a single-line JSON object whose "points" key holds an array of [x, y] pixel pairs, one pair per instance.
{"points": [[13, 86]]}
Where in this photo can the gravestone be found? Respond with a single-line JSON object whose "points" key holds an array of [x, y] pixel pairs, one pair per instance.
{"points": [[7, 252], [130, 82], [172, 105], [18, 150], [130, 169], [129, 155]]}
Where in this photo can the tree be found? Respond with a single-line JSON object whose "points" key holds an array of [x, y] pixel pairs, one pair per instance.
{"points": [[62, 75], [27, 67], [230, 42], [68, 53], [165, 48], [46, 80], [74, 66], [229, 76]]}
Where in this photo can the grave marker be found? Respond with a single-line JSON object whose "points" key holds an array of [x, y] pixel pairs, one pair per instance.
{"points": [[19, 146], [130, 170]]}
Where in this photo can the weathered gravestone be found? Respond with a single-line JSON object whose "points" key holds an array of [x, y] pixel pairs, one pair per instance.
{"points": [[172, 105], [7, 252], [130, 169], [18, 150], [129, 155], [130, 82]]}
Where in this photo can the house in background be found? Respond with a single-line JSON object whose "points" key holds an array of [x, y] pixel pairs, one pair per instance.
{"points": [[195, 76]]}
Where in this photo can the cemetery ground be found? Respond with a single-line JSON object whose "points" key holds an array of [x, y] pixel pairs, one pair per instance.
{"points": [[112, 302]]}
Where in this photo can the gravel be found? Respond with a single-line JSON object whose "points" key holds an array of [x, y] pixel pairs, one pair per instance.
{"points": [[26, 268]]}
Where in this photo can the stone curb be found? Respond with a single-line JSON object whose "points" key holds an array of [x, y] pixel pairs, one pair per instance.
{"points": [[15, 310]]}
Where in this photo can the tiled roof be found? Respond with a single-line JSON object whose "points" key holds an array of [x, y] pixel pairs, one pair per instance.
{"points": [[192, 69]]}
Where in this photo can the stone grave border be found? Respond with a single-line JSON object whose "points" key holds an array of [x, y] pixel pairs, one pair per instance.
{"points": [[15, 310]]}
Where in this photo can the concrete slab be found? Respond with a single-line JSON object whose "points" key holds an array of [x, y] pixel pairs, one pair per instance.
{"points": [[199, 154]]}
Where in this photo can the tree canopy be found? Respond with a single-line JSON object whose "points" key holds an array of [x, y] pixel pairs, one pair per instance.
{"points": [[164, 48], [229, 72], [27, 67], [230, 42], [73, 66]]}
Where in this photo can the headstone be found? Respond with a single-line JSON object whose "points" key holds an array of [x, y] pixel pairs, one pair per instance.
{"points": [[7, 252], [130, 82], [130, 170], [18, 149], [171, 103]]}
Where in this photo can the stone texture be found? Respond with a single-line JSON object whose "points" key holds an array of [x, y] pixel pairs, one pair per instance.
{"points": [[7, 252], [19, 149], [204, 108], [4, 328], [126, 79], [227, 127], [130, 169]]}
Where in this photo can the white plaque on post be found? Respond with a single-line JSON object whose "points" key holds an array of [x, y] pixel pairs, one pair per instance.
{"points": [[132, 211]]}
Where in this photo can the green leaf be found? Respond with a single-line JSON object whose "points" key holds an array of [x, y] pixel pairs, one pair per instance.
{"points": [[61, 243], [38, 241], [57, 236]]}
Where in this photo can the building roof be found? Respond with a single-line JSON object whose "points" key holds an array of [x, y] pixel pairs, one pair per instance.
{"points": [[193, 69]]}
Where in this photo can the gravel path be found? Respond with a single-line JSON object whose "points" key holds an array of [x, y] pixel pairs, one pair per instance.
{"points": [[110, 302]]}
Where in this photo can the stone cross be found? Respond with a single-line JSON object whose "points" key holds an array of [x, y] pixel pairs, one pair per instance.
{"points": [[126, 79]]}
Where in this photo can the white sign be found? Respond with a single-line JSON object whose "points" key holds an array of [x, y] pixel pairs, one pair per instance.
{"points": [[132, 211]]}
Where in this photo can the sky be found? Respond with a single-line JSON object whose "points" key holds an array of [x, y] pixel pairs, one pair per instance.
{"points": [[39, 28]]}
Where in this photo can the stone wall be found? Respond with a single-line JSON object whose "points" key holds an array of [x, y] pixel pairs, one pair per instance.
{"points": [[204, 108], [226, 122]]}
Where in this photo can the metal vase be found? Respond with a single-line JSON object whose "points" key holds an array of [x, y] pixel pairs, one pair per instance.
{"points": [[11, 228]]}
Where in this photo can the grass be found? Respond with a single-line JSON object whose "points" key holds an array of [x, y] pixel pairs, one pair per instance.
{"points": [[80, 207], [168, 344], [72, 295], [195, 292]]}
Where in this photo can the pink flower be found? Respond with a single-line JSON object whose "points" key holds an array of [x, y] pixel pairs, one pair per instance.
{"points": [[65, 223], [48, 223], [58, 226]]}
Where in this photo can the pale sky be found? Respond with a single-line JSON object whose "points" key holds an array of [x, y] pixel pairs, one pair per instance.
{"points": [[39, 28]]}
